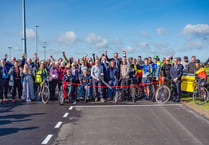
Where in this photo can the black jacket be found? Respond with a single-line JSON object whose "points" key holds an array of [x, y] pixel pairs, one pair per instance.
{"points": [[176, 73]]}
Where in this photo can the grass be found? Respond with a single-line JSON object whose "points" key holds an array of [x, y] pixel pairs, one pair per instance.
{"points": [[187, 97]]}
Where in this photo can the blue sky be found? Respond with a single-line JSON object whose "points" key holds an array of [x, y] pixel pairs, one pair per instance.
{"points": [[79, 27]]}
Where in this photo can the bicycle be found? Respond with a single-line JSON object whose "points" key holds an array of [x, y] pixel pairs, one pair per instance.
{"points": [[200, 95], [163, 94], [43, 91]]}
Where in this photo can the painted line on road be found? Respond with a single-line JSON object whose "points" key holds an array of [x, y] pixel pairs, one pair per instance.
{"points": [[107, 106], [71, 107], [65, 115], [58, 124], [46, 140]]}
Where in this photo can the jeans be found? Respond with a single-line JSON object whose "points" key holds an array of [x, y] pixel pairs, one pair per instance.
{"points": [[111, 92], [97, 89], [84, 90]]}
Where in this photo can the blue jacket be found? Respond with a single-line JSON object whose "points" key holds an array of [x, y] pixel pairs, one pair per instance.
{"points": [[112, 74]]}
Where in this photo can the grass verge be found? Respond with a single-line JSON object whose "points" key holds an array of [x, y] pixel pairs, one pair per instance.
{"points": [[187, 100]]}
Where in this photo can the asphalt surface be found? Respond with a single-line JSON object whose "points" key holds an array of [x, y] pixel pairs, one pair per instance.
{"points": [[144, 123]]}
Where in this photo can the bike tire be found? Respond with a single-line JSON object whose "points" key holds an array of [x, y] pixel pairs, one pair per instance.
{"points": [[198, 96], [45, 94], [61, 97], [163, 94]]}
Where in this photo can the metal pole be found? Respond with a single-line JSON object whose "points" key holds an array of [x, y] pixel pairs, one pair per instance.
{"points": [[37, 39], [24, 29]]}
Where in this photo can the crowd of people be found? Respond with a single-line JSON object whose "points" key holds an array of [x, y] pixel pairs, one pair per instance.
{"points": [[24, 76]]}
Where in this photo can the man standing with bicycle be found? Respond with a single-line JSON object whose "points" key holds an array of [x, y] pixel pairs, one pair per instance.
{"points": [[176, 73]]}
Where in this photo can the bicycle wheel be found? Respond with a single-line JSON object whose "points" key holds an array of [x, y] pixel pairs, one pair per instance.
{"points": [[200, 96], [45, 94], [61, 97], [162, 94]]}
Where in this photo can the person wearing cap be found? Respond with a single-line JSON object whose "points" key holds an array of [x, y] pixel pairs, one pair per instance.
{"points": [[185, 63], [156, 71], [165, 72], [179, 62], [191, 66], [176, 72]]}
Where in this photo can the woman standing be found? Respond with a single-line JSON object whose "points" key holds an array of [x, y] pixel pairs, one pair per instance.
{"points": [[61, 72], [15, 74], [53, 74], [28, 90]]}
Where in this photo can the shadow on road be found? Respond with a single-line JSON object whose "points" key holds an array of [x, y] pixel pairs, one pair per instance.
{"points": [[19, 116], [3, 122], [7, 131]]}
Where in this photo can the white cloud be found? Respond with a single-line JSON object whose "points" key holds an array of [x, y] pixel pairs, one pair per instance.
{"points": [[96, 40], [191, 45], [129, 49], [143, 45], [145, 34], [156, 48], [30, 34], [199, 29], [68, 38], [162, 31], [117, 41]]}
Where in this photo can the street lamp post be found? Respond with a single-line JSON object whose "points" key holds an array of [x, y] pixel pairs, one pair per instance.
{"points": [[10, 52], [24, 29], [37, 39]]}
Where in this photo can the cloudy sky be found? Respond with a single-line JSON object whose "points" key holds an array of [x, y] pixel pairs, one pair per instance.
{"points": [[79, 27]]}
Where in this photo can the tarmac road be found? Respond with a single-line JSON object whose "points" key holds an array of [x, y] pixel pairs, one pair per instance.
{"points": [[144, 123]]}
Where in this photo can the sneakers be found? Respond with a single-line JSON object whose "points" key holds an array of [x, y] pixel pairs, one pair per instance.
{"points": [[96, 100], [102, 100], [109, 98], [6, 100], [28, 100]]}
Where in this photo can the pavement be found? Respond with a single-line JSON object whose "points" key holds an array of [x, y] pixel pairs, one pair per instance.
{"points": [[142, 123]]}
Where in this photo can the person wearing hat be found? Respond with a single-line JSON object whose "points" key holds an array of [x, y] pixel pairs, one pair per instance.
{"points": [[185, 63], [156, 70], [179, 62]]}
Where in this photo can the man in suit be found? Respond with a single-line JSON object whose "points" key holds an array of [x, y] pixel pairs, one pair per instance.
{"points": [[4, 80], [176, 73]]}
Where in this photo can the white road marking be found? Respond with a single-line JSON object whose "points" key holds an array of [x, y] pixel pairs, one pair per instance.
{"points": [[107, 106], [58, 124], [65, 115], [71, 107], [46, 140]]}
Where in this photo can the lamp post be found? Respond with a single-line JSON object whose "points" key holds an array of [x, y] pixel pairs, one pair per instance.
{"points": [[24, 28], [10, 52], [37, 39]]}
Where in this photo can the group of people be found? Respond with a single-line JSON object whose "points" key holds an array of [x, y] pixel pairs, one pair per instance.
{"points": [[97, 77]]}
